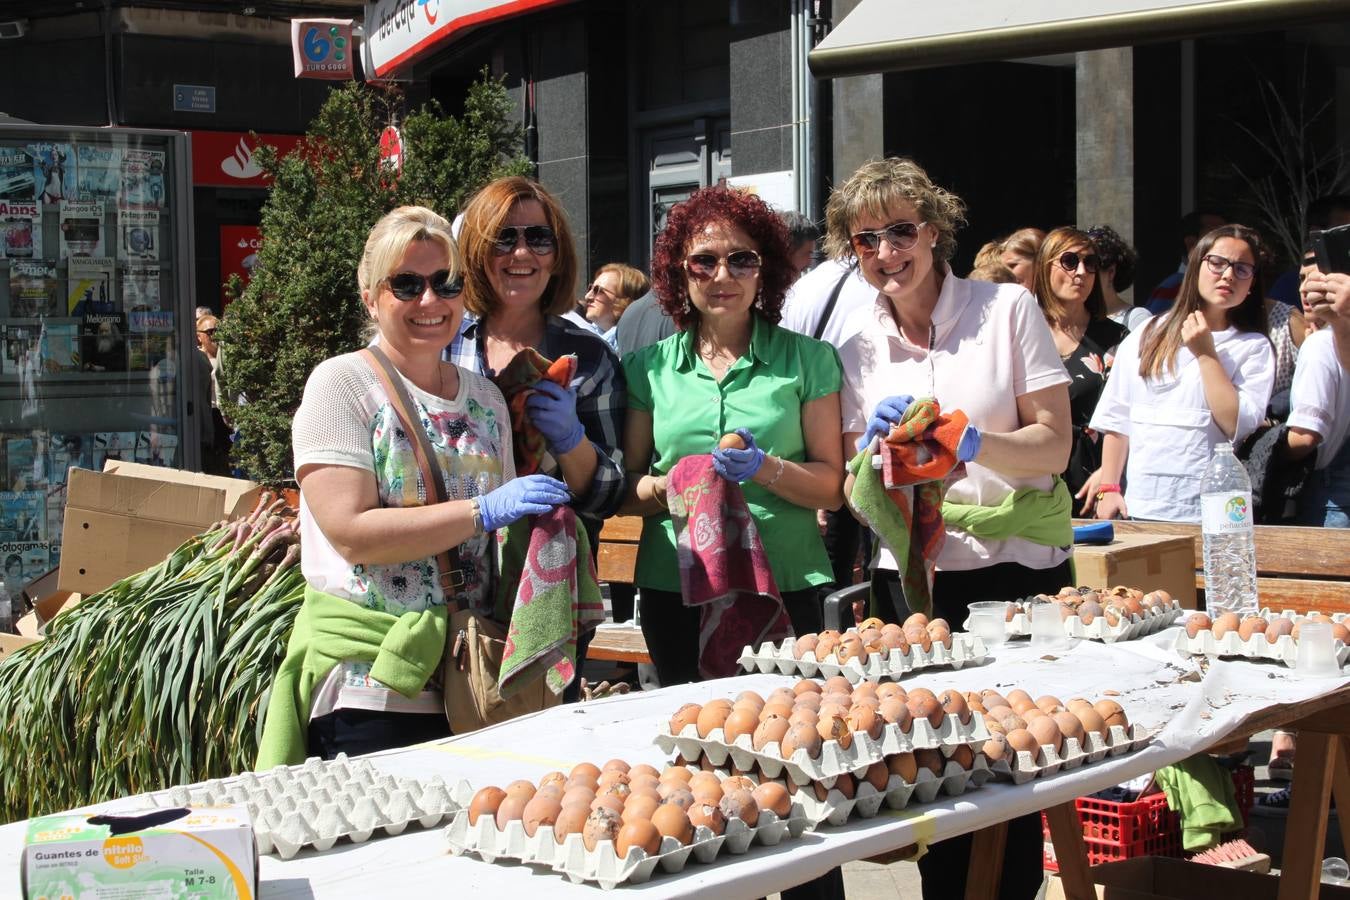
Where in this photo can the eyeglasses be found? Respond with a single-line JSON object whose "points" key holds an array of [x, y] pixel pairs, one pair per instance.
{"points": [[739, 263], [1219, 264], [597, 289], [209, 332], [409, 286], [539, 239], [900, 235], [1069, 261]]}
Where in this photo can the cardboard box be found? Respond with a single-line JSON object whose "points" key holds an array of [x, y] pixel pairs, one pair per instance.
{"points": [[1144, 561], [11, 642], [1163, 878], [207, 853], [129, 517]]}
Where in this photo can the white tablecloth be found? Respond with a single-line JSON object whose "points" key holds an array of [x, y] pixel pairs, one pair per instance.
{"points": [[1191, 707]]}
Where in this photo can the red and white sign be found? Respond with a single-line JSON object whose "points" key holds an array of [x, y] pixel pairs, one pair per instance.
{"points": [[400, 31], [391, 151], [323, 48], [239, 246], [225, 158]]}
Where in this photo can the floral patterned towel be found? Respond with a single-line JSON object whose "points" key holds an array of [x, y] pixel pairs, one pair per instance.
{"points": [[723, 568]]}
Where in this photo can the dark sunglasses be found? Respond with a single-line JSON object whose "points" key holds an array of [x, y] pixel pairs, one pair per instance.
{"points": [[409, 286], [539, 239], [1069, 261], [209, 332], [597, 289], [740, 264], [900, 235], [1219, 264]]}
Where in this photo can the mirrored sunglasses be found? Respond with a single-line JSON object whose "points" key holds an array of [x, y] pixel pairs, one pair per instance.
{"points": [[539, 239], [900, 235], [1069, 260], [409, 286], [740, 264]]}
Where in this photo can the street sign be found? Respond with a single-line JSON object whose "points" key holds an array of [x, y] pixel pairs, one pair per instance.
{"points": [[194, 98]]}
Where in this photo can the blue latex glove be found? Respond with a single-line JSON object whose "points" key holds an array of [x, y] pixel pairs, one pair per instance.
{"points": [[887, 414], [532, 495], [969, 446], [739, 465], [553, 410]]}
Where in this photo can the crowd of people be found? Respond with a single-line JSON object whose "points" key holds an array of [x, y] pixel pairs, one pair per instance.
{"points": [[1071, 399]]}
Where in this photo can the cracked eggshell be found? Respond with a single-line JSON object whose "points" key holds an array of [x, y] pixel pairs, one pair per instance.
{"points": [[602, 824]]}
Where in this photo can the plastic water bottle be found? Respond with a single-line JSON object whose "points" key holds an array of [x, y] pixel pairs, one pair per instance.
{"points": [[1230, 541]]}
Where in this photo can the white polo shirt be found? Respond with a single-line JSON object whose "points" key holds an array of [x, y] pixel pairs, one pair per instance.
{"points": [[806, 300], [991, 345], [1319, 399], [1169, 423]]}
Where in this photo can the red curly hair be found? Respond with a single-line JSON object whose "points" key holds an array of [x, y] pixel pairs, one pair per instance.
{"points": [[732, 207]]}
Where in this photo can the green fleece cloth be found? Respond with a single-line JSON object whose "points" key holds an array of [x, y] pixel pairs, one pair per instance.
{"points": [[404, 652], [885, 517], [1200, 790], [1042, 517]]}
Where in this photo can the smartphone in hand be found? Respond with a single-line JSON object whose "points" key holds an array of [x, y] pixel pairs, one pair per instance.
{"points": [[1333, 249]]}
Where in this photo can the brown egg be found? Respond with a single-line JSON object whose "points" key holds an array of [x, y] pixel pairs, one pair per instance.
{"points": [[521, 788], [993, 699], [1163, 597], [877, 775], [975, 703], [555, 778], [963, 756], [642, 769], [1339, 632], [1020, 740], [681, 797], [1091, 720], [926, 708], [919, 636], [804, 644], [640, 806], [684, 716], [871, 701], [895, 711], [904, 765], [1070, 726], [1019, 699], [888, 689], [1197, 622], [803, 715], [837, 684], [614, 789], [1252, 626], [835, 728], [612, 776], [571, 820], [741, 721], [1088, 611], [643, 782], [771, 730], [1049, 704], [801, 737], [511, 808], [708, 793], [1000, 712], [615, 765], [543, 809], [850, 649], [894, 640], [603, 824], [589, 770], [486, 801], [712, 718], [781, 695], [930, 759], [673, 821], [731, 441], [740, 804], [831, 708], [704, 778], [608, 801], [708, 815], [916, 619], [994, 727], [677, 773], [583, 780], [578, 794], [846, 785], [941, 636], [865, 720], [773, 796], [1046, 732], [826, 646], [995, 748], [1278, 627], [640, 833], [737, 783], [871, 622], [776, 707], [954, 704], [1012, 721], [806, 686], [1033, 712]]}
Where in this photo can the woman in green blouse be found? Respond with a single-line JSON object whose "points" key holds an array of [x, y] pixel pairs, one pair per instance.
{"points": [[721, 269]]}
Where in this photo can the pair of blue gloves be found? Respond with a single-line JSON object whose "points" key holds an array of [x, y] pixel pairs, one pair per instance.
{"points": [[888, 414], [553, 410]]}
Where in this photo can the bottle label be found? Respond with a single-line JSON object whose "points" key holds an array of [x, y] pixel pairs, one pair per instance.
{"points": [[1229, 513]]}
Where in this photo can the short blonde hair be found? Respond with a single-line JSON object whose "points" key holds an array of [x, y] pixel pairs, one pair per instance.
{"points": [[875, 189], [390, 238], [633, 283]]}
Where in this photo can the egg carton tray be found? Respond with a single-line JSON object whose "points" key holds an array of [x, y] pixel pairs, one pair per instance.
{"points": [[603, 865], [834, 760], [1047, 761], [1099, 629], [836, 808], [966, 650], [1284, 650], [318, 803]]}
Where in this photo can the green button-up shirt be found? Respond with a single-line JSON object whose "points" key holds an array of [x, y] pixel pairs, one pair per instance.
{"points": [[763, 391]]}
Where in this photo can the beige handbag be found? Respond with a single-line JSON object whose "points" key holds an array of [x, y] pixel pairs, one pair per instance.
{"points": [[476, 643]]}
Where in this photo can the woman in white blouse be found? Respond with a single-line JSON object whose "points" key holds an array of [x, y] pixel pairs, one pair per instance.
{"points": [[1185, 382], [1319, 418]]}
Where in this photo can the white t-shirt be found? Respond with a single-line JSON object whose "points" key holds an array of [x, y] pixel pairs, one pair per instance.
{"points": [[991, 345], [806, 300], [1171, 429], [345, 419], [1320, 397], [1131, 317]]}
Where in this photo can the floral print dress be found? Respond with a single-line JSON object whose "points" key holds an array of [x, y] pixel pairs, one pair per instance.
{"points": [[1088, 365]]}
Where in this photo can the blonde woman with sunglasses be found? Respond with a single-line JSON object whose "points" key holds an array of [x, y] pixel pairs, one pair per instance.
{"points": [[1196, 376]]}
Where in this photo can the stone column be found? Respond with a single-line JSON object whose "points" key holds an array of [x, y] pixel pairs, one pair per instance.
{"points": [[1104, 97], [859, 105]]}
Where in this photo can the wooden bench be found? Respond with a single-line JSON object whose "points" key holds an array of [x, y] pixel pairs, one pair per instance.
{"points": [[616, 564], [1297, 568]]}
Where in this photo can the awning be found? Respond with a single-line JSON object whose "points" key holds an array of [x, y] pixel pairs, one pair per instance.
{"points": [[401, 32], [894, 35]]}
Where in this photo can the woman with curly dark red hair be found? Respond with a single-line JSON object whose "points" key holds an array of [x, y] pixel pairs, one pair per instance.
{"points": [[721, 269]]}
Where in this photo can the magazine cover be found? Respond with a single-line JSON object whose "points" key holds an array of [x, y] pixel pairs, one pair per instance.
{"points": [[143, 178], [22, 343], [148, 333], [24, 560], [89, 286], [19, 463], [98, 173], [66, 449], [81, 228], [20, 229], [16, 174], [156, 448], [60, 350], [34, 288], [24, 513], [53, 172], [140, 287], [113, 445], [103, 342], [137, 234]]}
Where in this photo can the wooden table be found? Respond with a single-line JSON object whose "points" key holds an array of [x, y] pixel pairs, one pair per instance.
{"points": [[621, 643]]}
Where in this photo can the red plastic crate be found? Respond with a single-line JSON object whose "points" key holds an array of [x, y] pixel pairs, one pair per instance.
{"points": [[1144, 827]]}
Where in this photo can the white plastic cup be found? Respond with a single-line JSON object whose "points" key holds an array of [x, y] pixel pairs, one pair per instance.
{"points": [[1316, 650], [988, 619], [1047, 627]]}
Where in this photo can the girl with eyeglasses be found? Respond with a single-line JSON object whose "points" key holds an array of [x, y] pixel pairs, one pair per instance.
{"points": [[1069, 290], [371, 532], [982, 348], [1199, 375]]}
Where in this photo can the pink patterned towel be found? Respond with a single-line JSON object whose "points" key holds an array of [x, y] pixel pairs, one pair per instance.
{"points": [[723, 568]]}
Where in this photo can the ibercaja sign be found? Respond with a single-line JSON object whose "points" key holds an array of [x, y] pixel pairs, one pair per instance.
{"points": [[322, 48]]}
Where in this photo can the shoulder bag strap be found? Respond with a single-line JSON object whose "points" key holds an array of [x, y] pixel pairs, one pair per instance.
{"points": [[448, 562], [834, 299]]}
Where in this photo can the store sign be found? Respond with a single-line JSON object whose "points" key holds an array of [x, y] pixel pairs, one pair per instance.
{"points": [[225, 158], [400, 31], [239, 245], [322, 48], [194, 98]]}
